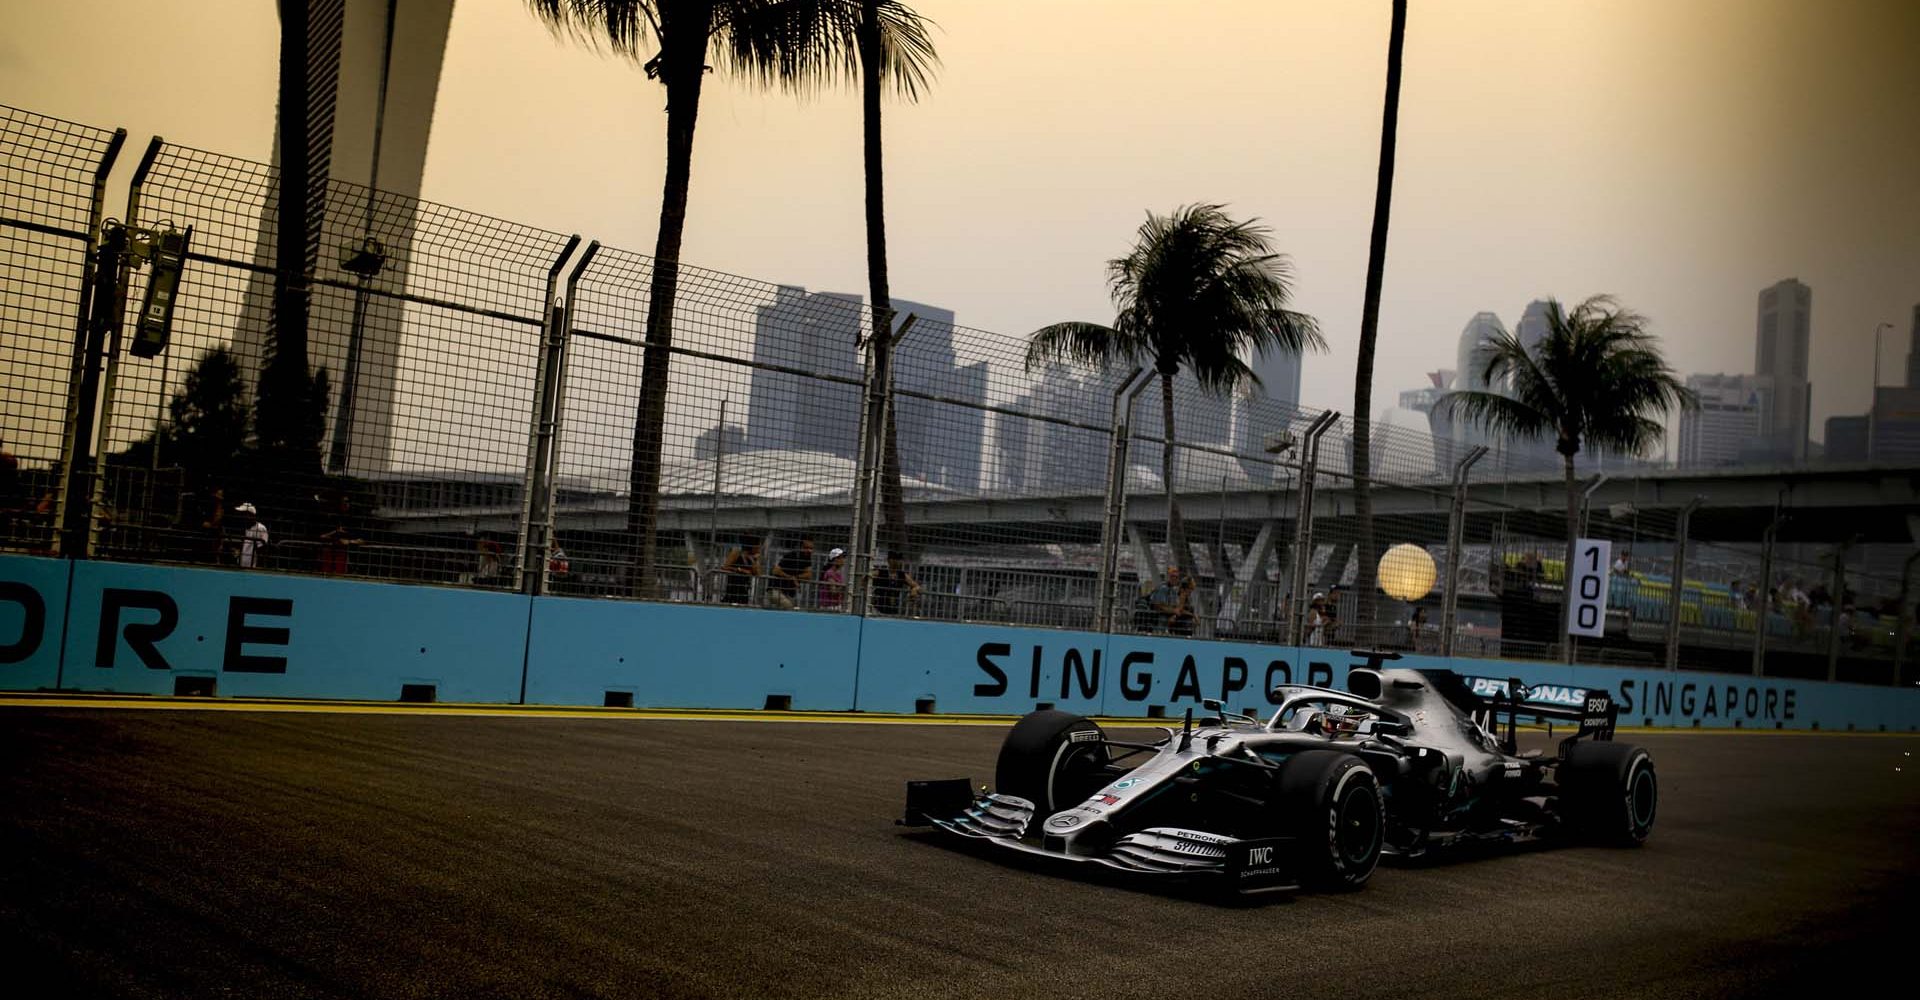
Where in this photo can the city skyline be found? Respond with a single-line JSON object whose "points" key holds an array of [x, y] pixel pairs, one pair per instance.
{"points": [[1679, 188]]}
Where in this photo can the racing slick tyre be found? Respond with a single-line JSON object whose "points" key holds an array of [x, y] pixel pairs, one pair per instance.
{"points": [[1053, 759], [1331, 802], [1608, 792]]}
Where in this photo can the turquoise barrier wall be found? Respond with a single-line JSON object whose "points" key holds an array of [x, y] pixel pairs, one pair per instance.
{"points": [[134, 629], [681, 656], [33, 621]]}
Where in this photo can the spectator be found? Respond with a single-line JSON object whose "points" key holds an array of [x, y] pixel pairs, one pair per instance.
{"points": [[895, 591], [833, 580], [10, 496], [741, 565], [1416, 627], [213, 529], [1332, 615], [489, 567], [1173, 602], [1317, 619], [334, 544], [558, 565], [1621, 567], [12, 501], [794, 566], [253, 542]]}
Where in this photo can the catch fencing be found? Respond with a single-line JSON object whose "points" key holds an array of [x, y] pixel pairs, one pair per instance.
{"points": [[491, 405]]}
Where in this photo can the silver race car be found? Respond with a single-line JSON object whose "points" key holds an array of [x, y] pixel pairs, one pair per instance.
{"points": [[1403, 762]]}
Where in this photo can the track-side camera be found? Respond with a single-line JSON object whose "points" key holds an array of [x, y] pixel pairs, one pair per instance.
{"points": [[166, 250]]}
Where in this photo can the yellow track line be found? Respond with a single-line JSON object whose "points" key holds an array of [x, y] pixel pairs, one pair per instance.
{"points": [[470, 710]]}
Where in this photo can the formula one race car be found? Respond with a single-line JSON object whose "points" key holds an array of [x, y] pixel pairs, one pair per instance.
{"points": [[1403, 762]]}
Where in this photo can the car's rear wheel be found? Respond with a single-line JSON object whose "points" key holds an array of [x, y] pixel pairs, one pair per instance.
{"points": [[1331, 803], [1053, 759], [1608, 791]]}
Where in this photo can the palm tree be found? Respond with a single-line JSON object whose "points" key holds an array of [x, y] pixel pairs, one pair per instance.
{"points": [[1596, 378], [893, 47], [1370, 322], [1198, 291], [792, 44]]}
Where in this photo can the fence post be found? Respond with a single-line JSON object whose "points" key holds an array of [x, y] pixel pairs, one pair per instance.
{"points": [[536, 509], [1303, 525], [540, 456], [1456, 529], [1122, 427], [1676, 593], [73, 537], [1765, 591], [1906, 615], [1833, 606]]}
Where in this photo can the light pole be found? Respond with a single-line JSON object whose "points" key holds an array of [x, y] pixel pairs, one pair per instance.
{"points": [[1873, 395]]}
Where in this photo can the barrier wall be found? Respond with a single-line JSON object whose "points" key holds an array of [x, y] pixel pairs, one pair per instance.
{"points": [[137, 629], [680, 656], [98, 626], [33, 621]]}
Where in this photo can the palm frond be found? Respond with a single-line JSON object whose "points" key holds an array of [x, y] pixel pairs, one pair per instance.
{"points": [[630, 28], [1499, 414], [799, 46], [908, 58], [1088, 344]]}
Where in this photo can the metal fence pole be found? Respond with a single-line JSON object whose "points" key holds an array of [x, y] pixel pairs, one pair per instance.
{"points": [[1900, 630], [1764, 615], [540, 455], [1833, 606], [82, 431], [1123, 401], [856, 598], [1303, 526], [538, 515], [713, 507], [1676, 594], [1456, 530]]}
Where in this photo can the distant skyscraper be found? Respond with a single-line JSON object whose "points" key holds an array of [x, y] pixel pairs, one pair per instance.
{"points": [[1533, 324], [1530, 331], [1440, 423], [1270, 409], [1470, 373], [1734, 411], [1033, 456], [1470, 367], [1781, 343], [1279, 373], [1913, 352], [940, 443], [346, 49]]}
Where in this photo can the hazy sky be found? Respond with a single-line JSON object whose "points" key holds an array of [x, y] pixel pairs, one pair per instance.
{"points": [[1680, 154]]}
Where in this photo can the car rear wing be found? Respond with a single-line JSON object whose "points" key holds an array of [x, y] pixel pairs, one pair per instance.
{"points": [[1592, 709]]}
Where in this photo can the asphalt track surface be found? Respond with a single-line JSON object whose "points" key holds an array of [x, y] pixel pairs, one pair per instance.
{"points": [[191, 854]]}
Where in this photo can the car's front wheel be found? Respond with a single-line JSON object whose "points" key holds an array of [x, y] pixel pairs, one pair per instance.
{"points": [[1331, 803], [1053, 759]]}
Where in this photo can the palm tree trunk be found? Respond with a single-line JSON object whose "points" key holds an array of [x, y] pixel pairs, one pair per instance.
{"points": [[1566, 576], [1181, 555], [683, 68], [1370, 331], [892, 497]]}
